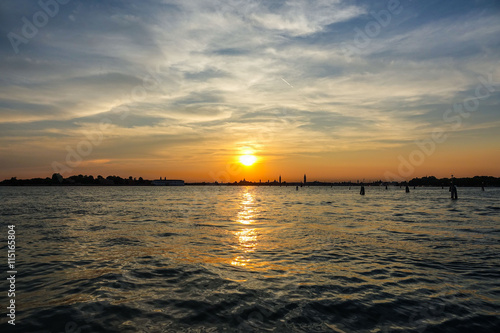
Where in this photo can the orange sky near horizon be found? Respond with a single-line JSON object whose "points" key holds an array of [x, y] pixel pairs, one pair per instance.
{"points": [[342, 166]]}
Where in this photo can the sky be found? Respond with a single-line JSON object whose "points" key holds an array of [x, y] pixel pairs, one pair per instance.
{"points": [[337, 90]]}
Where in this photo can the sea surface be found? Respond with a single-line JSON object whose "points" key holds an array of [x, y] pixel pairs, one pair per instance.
{"points": [[252, 259]]}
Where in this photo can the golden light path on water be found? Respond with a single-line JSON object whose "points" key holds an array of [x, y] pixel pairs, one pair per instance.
{"points": [[247, 237]]}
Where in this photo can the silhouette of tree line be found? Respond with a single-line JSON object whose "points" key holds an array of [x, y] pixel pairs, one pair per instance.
{"points": [[58, 180], [475, 181]]}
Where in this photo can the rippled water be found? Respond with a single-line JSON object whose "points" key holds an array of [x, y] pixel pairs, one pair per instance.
{"points": [[253, 259]]}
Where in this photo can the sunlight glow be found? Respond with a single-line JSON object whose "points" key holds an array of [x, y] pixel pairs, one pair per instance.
{"points": [[248, 160]]}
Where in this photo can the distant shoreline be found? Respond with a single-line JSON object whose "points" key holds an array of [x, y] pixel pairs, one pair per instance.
{"points": [[235, 185], [80, 180]]}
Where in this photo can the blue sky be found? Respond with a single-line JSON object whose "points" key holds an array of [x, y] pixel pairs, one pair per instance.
{"points": [[185, 86]]}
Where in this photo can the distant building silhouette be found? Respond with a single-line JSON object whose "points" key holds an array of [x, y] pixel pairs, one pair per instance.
{"points": [[280, 179], [305, 179]]}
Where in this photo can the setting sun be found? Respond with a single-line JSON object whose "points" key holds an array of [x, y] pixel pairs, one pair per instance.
{"points": [[248, 159]]}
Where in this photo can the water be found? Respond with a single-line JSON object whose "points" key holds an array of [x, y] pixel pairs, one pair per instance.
{"points": [[250, 259]]}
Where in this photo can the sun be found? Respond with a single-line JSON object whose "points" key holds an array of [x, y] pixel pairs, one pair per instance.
{"points": [[248, 160]]}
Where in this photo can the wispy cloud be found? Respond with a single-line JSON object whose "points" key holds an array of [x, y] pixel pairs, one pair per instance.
{"points": [[225, 71]]}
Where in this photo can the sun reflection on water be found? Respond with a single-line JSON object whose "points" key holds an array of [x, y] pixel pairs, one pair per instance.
{"points": [[246, 214], [247, 237]]}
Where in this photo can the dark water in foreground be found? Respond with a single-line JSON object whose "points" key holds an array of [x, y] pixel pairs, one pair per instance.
{"points": [[236, 259]]}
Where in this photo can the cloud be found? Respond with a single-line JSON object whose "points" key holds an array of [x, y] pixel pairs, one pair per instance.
{"points": [[302, 18], [212, 76]]}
